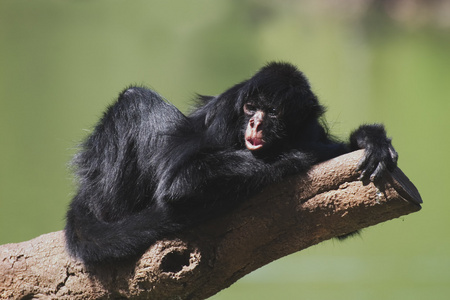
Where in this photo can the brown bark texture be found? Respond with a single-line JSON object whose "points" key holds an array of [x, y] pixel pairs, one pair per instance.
{"points": [[301, 211]]}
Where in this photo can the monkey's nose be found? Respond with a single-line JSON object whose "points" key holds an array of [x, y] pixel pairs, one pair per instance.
{"points": [[255, 124]]}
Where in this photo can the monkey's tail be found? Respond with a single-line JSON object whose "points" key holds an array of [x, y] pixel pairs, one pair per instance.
{"points": [[95, 241]]}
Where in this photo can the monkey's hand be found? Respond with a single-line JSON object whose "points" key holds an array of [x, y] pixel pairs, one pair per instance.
{"points": [[379, 157]]}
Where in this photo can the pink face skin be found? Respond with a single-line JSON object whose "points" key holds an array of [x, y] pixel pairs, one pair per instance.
{"points": [[253, 134]]}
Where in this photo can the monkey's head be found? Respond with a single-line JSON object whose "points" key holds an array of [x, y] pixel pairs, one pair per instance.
{"points": [[278, 105]]}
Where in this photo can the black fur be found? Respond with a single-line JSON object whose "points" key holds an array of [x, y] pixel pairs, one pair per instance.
{"points": [[148, 171]]}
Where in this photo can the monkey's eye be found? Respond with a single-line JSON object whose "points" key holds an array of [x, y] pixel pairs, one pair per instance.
{"points": [[272, 112], [249, 108]]}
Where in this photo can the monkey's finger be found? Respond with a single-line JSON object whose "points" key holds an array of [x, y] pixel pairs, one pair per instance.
{"points": [[393, 153], [370, 166], [363, 161], [378, 173]]}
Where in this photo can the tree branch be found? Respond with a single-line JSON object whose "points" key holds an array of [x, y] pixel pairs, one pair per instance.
{"points": [[287, 217]]}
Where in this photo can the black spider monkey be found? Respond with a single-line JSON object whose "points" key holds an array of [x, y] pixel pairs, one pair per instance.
{"points": [[148, 171]]}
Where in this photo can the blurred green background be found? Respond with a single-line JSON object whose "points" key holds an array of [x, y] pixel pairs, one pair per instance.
{"points": [[63, 62]]}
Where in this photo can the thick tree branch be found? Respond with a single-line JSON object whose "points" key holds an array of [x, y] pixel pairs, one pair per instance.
{"points": [[301, 211]]}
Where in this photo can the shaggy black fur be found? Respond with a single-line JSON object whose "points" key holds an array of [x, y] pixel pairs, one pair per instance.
{"points": [[148, 171]]}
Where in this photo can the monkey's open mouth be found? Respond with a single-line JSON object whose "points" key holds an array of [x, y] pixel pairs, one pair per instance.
{"points": [[254, 143]]}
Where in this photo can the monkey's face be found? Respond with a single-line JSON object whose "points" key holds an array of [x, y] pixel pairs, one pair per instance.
{"points": [[263, 127]]}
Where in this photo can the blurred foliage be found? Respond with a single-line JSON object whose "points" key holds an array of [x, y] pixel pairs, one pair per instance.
{"points": [[63, 62]]}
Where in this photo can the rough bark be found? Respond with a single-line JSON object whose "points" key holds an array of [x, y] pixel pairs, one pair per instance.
{"points": [[302, 211]]}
